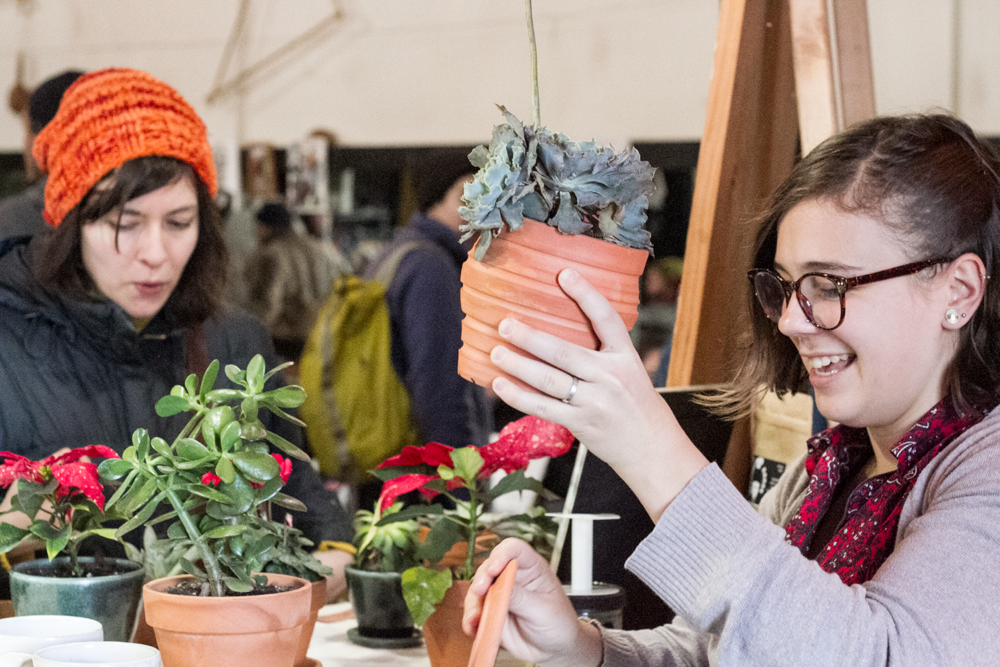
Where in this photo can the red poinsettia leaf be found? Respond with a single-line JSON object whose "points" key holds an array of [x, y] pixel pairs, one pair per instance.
{"points": [[79, 453], [433, 453], [16, 467], [522, 440], [397, 486], [81, 476]]}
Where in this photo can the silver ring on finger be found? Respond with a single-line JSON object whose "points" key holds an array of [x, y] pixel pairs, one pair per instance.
{"points": [[572, 390]]}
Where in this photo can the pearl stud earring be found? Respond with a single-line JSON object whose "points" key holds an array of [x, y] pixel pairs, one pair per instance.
{"points": [[951, 316]]}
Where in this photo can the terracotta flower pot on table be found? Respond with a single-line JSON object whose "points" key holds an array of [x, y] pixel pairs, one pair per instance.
{"points": [[237, 631], [447, 644], [518, 278], [317, 600]]}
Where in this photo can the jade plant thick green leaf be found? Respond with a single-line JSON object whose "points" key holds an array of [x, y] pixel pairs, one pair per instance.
{"points": [[218, 477]]}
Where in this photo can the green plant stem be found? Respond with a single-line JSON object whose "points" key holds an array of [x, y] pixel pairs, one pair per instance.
{"points": [[73, 548], [473, 527], [534, 65], [191, 426], [211, 565]]}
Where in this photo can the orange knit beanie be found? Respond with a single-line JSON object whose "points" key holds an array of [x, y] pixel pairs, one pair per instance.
{"points": [[107, 118]]}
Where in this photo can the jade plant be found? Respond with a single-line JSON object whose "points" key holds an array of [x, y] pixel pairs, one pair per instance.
{"points": [[62, 497], [576, 187], [437, 470], [217, 477]]}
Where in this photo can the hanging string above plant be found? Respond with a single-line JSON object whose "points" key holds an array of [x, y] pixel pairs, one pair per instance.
{"points": [[577, 187]]}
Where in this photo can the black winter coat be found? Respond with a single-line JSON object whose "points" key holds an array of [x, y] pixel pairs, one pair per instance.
{"points": [[74, 373]]}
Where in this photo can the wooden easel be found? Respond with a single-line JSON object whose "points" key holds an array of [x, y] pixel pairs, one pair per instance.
{"points": [[775, 80]]}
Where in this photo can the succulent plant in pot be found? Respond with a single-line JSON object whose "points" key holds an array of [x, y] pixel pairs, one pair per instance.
{"points": [[292, 555], [541, 203], [61, 503], [383, 552], [459, 537], [217, 479]]}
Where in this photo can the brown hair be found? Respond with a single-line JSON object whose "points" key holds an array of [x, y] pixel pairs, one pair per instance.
{"points": [[934, 185], [58, 261]]}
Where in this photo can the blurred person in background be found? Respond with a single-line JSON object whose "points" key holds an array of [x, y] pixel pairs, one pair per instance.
{"points": [[21, 214], [287, 279]]}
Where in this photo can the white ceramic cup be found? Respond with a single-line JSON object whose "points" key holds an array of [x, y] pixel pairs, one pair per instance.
{"points": [[20, 636], [97, 654]]}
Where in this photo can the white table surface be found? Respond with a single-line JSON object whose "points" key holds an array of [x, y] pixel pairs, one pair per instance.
{"points": [[331, 647]]}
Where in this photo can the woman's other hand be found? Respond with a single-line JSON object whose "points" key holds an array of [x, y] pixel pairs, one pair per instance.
{"points": [[614, 411], [336, 583], [541, 625]]}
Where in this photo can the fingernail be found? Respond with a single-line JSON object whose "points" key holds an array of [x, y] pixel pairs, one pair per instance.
{"points": [[499, 385], [506, 326], [496, 354], [568, 276]]}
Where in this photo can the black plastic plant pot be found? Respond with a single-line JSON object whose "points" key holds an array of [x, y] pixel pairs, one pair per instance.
{"points": [[378, 603]]}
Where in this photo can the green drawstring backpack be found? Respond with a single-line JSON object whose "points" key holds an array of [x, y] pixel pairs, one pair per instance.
{"points": [[357, 412]]}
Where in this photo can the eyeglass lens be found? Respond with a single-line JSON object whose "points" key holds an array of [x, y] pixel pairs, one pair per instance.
{"points": [[818, 297]]}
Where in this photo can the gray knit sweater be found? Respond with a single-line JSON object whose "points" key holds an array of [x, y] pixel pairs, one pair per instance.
{"points": [[744, 597]]}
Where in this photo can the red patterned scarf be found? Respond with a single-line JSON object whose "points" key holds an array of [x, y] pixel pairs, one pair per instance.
{"points": [[868, 533]]}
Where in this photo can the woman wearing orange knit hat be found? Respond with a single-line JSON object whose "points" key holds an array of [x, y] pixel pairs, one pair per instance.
{"points": [[120, 300]]}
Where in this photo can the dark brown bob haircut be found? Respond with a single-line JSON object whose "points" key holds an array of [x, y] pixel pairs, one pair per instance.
{"points": [[934, 185], [58, 261]]}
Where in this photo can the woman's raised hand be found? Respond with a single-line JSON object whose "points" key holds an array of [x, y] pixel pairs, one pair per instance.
{"points": [[614, 410], [541, 626]]}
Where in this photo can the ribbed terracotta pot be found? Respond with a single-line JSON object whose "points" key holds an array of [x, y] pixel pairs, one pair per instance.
{"points": [[517, 278], [317, 590], [447, 644], [228, 631]]}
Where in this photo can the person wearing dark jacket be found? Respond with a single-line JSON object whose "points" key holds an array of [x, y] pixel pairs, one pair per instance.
{"points": [[425, 313], [119, 300], [21, 214]]}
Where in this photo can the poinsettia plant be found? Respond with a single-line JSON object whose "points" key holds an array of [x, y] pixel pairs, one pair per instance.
{"points": [[436, 471], [218, 477], [63, 498]]}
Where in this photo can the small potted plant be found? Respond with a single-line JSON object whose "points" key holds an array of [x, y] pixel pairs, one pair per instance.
{"points": [[434, 592], [383, 552], [63, 499], [541, 203], [217, 478]]}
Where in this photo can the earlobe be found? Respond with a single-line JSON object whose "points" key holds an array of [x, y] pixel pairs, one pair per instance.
{"points": [[967, 285]]}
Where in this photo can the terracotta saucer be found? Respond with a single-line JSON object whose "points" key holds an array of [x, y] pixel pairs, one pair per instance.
{"points": [[487, 642]]}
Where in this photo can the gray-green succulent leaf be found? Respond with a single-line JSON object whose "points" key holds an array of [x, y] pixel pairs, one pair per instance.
{"points": [[577, 187]]}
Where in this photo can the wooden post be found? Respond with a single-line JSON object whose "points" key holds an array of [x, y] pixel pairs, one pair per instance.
{"points": [[857, 95], [833, 72], [747, 149]]}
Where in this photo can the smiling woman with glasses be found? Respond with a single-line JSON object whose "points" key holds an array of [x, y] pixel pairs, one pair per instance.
{"points": [[879, 546]]}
